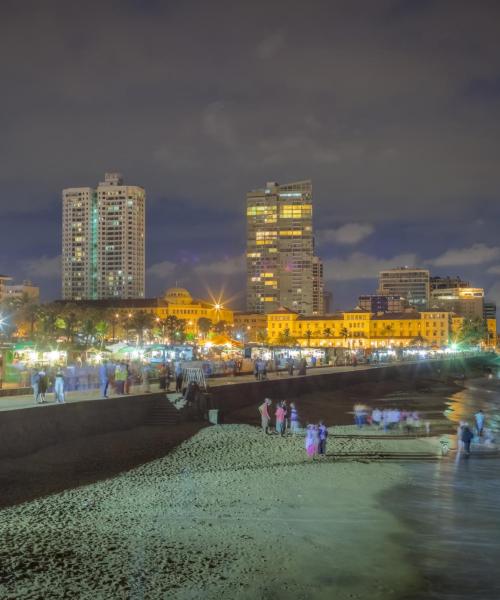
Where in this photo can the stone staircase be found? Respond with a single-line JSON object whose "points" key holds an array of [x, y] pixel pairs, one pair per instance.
{"points": [[163, 413]]}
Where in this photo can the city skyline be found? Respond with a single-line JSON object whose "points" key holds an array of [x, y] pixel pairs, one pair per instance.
{"points": [[397, 130]]}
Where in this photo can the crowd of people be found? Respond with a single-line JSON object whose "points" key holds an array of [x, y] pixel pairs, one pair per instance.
{"points": [[262, 367], [388, 418], [287, 422], [117, 376]]}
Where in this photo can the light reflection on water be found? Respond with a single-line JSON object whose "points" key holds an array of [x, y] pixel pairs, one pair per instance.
{"points": [[453, 510]]}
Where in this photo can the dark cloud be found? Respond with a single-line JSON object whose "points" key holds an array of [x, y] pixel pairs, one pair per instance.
{"points": [[391, 107]]}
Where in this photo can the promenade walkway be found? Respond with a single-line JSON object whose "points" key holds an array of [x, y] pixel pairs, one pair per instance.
{"points": [[27, 401]]}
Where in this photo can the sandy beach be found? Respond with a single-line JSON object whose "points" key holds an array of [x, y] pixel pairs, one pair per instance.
{"points": [[229, 513]]}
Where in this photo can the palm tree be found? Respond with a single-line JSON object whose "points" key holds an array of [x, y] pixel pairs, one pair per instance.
{"points": [[27, 312], [344, 333], [140, 322], [220, 327], [473, 332], [175, 328], [388, 330], [70, 321], [327, 332], [286, 339], [94, 325], [262, 336], [418, 340], [204, 325], [308, 336], [48, 323]]}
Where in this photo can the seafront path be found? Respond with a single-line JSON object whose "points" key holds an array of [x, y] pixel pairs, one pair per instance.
{"points": [[15, 402]]}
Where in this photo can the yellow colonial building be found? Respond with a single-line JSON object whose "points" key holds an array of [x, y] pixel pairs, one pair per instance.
{"points": [[362, 329], [176, 302]]}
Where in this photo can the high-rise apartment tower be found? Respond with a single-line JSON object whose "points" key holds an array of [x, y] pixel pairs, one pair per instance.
{"points": [[280, 249], [103, 241]]}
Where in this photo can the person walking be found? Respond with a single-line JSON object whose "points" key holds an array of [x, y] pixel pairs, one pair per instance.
{"points": [[467, 437], [178, 377], [322, 435], [146, 378], [128, 378], [120, 376], [265, 417], [280, 419], [162, 378], [104, 379], [43, 384], [479, 418], [59, 387], [35, 380], [294, 419], [359, 417], [460, 444], [284, 404]]}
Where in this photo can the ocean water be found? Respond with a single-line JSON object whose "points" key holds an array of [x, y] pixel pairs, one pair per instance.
{"points": [[452, 509]]}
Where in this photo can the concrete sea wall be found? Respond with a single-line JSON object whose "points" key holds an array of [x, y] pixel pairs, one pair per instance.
{"points": [[239, 395], [25, 431]]}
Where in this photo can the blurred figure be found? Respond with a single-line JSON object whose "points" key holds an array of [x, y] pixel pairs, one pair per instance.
{"points": [[146, 375], [312, 441], [479, 418], [294, 419], [178, 377], [43, 384], [359, 415], [265, 417], [322, 436], [467, 437], [376, 416], [59, 387], [120, 376], [104, 378], [35, 380], [280, 419], [162, 378]]}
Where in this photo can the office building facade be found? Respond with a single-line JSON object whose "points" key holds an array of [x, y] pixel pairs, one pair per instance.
{"points": [[377, 303], [104, 241], [280, 249], [318, 307], [466, 302], [410, 283], [448, 282]]}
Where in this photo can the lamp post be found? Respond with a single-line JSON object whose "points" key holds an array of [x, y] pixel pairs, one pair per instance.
{"points": [[129, 316], [115, 319]]}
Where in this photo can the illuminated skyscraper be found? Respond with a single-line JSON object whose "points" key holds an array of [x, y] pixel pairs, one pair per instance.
{"points": [[280, 248], [103, 241]]}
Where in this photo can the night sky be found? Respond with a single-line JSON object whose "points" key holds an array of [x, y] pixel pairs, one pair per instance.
{"points": [[391, 107]]}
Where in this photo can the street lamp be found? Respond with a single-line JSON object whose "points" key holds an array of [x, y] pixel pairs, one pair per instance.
{"points": [[128, 325], [117, 316]]}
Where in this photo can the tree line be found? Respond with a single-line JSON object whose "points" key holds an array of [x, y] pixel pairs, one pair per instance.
{"points": [[81, 326]]}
